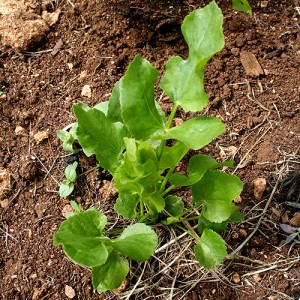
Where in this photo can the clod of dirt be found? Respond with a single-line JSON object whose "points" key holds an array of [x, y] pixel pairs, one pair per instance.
{"points": [[41, 136], [69, 291], [236, 278], [250, 64], [5, 182], [21, 28], [20, 131], [4, 203], [67, 209], [260, 185], [86, 91], [28, 168], [295, 220], [51, 18]]}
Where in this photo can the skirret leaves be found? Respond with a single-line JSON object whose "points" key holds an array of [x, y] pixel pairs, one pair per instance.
{"points": [[133, 139]]}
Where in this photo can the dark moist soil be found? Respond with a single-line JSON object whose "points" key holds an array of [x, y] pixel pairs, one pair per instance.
{"points": [[100, 38]]}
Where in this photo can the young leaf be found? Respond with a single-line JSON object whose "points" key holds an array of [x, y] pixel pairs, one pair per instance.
{"points": [[111, 274], [82, 239], [199, 29], [98, 135], [155, 202], [67, 139], [126, 205], [139, 110], [197, 167], [216, 190], [137, 241], [197, 132], [174, 205], [102, 106], [70, 172], [210, 249], [66, 188], [114, 107], [287, 228], [172, 155], [242, 5]]}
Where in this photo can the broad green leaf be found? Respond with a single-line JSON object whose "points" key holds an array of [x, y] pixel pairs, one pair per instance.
{"points": [[114, 107], [174, 205], [66, 188], [183, 79], [190, 93], [126, 205], [197, 132], [98, 135], [215, 191], [70, 171], [137, 241], [210, 249], [203, 224], [202, 29], [197, 167], [111, 274], [172, 155], [242, 5], [139, 111], [154, 201], [102, 106], [82, 239]]}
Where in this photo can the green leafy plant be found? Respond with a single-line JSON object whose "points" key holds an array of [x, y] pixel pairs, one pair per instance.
{"points": [[139, 145], [67, 186]]}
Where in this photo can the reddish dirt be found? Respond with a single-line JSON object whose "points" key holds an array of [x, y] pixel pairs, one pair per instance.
{"points": [[100, 38]]}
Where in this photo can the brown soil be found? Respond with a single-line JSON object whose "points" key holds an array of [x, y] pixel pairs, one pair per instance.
{"points": [[100, 38]]}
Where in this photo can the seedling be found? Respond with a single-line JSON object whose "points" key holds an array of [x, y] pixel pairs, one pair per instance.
{"points": [[242, 5], [138, 144], [67, 186]]}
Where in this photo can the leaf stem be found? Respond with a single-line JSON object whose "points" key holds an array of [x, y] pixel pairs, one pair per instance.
{"points": [[170, 188], [171, 116], [88, 171], [187, 231]]}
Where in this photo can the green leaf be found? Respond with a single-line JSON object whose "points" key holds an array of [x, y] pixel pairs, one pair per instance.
{"points": [[183, 79], [242, 5], [202, 29], [197, 132], [82, 239], [114, 107], [66, 188], [137, 241], [215, 191], [203, 224], [68, 139], [172, 155], [139, 110], [126, 205], [102, 106], [154, 201], [210, 249], [174, 205], [139, 169], [190, 94], [98, 135], [111, 274], [70, 171], [197, 167]]}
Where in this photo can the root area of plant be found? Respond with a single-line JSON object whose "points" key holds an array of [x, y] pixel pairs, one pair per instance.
{"points": [[253, 85]]}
